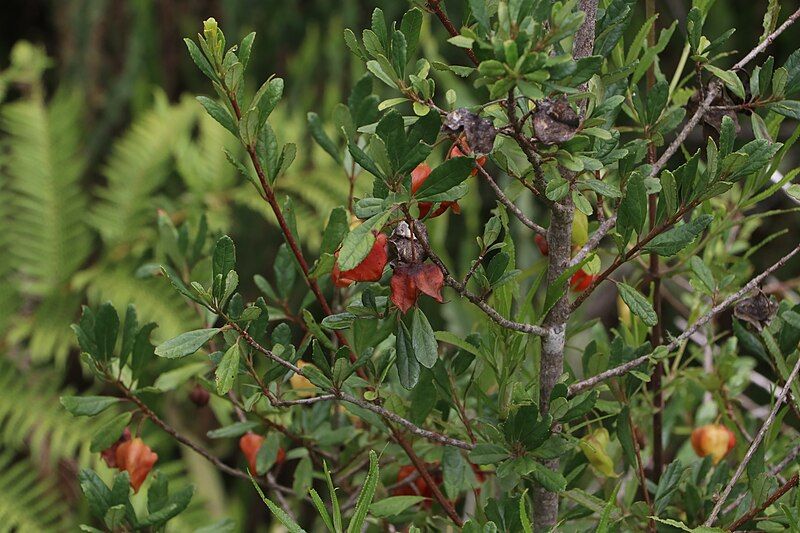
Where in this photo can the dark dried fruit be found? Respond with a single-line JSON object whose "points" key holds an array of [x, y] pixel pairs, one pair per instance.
{"points": [[555, 121], [407, 247], [199, 396], [480, 132], [712, 119], [757, 310]]}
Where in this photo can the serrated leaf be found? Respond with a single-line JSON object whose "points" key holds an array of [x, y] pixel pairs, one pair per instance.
{"points": [[638, 304], [676, 239], [227, 370], [185, 343], [407, 364]]}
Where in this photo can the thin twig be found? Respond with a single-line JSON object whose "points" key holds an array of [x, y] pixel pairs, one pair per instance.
{"points": [[516, 211], [775, 496], [432, 485], [216, 461], [624, 368], [594, 240], [434, 6], [712, 517], [343, 396]]}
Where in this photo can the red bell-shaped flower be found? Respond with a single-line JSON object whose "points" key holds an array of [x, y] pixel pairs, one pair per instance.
{"points": [[250, 443], [370, 269], [581, 280], [137, 459], [109, 455], [409, 280]]}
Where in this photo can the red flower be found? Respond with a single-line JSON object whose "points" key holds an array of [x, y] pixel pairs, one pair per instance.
{"points": [[418, 177], [409, 280], [418, 486], [250, 443], [370, 269], [580, 281], [455, 151], [109, 455], [137, 459], [541, 242]]}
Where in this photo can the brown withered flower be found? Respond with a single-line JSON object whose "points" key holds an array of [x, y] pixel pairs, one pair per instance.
{"points": [[554, 120]]}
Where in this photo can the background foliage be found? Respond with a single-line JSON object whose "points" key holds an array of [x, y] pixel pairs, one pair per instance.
{"points": [[100, 142]]}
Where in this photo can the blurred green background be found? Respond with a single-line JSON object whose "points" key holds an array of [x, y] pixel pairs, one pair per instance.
{"points": [[99, 131]]}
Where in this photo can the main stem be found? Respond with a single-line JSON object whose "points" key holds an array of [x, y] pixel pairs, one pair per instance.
{"points": [[559, 239], [656, 335]]}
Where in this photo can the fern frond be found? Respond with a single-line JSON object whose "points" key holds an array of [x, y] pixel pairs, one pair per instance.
{"points": [[49, 237], [138, 167], [154, 298], [29, 503], [31, 418], [46, 330]]}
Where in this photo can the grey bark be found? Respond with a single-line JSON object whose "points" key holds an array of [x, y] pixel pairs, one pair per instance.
{"points": [[559, 238]]}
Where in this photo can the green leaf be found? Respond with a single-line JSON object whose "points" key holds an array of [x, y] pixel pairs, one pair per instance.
{"points": [[224, 260], [287, 521], [729, 78], [603, 188], [129, 330], [227, 370], [106, 327], [267, 97], [410, 26], [787, 108], [108, 433], [185, 343], [97, 493], [338, 226], [407, 364], [219, 113], [488, 453], [87, 405], [236, 429], [445, 176], [676, 239], [394, 505], [358, 243], [267, 453], [319, 135], [638, 304], [423, 341], [365, 496], [549, 479], [200, 60], [633, 207]]}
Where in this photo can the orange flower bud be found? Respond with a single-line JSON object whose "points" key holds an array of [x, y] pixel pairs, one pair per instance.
{"points": [[137, 459], [713, 439]]}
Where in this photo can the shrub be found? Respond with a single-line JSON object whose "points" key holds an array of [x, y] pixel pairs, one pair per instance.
{"points": [[495, 425]]}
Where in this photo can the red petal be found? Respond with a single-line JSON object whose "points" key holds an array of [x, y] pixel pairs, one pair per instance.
{"points": [[109, 455], [404, 291], [137, 459], [419, 175], [371, 268], [429, 279], [250, 443]]}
